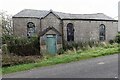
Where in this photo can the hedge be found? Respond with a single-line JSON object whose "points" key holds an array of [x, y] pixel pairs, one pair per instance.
{"points": [[22, 46]]}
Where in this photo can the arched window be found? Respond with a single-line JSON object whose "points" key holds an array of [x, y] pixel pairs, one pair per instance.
{"points": [[102, 32], [30, 29], [70, 32]]}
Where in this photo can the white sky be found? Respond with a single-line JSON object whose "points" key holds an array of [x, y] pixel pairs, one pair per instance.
{"points": [[108, 7]]}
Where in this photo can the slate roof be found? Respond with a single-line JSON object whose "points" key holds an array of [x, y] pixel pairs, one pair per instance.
{"points": [[43, 13]]}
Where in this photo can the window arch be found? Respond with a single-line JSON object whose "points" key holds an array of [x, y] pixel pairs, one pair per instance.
{"points": [[102, 33], [30, 29], [70, 32]]}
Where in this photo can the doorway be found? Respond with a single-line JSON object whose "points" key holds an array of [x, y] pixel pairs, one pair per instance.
{"points": [[51, 44]]}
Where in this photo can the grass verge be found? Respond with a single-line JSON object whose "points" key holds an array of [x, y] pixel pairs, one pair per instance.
{"points": [[0, 71], [69, 56]]}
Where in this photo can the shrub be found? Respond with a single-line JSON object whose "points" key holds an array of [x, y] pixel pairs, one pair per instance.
{"points": [[5, 49], [117, 39], [22, 46], [111, 41], [60, 51], [80, 45], [7, 38], [119, 47], [10, 59], [70, 46]]}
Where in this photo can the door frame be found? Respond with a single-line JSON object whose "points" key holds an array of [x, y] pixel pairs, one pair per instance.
{"points": [[51, 35]]}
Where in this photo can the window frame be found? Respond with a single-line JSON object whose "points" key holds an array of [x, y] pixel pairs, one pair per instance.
{"points": [[70, 32], [30, 29], [102, 32]]}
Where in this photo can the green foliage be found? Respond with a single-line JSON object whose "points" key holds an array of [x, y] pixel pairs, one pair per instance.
{"points": [[117, 39], [111, 41], [119, 47], [70, 45], [22, 46], [5, 49], [60, 51], [7, 38], [10, 59], [65, 58], [80, 45], [17, 50]]}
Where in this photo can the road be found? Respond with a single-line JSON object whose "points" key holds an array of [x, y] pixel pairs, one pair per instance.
{"points": [[101, 67]]}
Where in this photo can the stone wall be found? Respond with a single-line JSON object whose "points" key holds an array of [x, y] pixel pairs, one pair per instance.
{"points": [[52, 21], [89, 30], [20, 25], [85, 30]]}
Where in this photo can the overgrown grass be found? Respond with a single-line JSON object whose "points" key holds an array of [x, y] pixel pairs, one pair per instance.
{"points": [[0, 71], [68, 56]]}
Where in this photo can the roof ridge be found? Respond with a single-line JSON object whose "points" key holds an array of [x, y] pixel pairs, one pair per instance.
{"points": [[34, 10], [62, 12], [62, 15]]}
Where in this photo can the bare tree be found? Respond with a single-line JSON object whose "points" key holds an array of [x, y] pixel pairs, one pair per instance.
{"points": [[6, 23]]}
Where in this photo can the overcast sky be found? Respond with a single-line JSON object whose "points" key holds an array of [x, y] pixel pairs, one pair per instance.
{"points": [[108, 7]]}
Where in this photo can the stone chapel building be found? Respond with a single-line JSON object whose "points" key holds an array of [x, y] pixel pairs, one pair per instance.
{"points": [[56, 28]]}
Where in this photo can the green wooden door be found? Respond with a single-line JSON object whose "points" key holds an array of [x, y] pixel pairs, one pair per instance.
{"points": [[51, 44]]}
